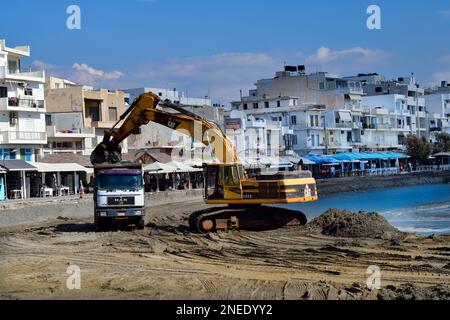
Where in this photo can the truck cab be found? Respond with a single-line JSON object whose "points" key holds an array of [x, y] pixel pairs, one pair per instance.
{"points": [[118, 195]]}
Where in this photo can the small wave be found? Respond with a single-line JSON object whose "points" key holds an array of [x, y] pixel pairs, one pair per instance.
{"points": [[425, 230]]}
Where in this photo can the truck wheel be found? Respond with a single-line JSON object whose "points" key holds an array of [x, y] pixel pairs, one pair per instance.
{"points": [[100, 225], [140, 224]]}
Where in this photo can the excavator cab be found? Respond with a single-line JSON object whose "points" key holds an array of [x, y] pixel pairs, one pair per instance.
{"points": [[223, 181]]}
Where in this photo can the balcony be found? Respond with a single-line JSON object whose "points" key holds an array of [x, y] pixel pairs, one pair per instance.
{"points": [[22, 75], [303, 126], [347, 125], [53, 132], [25, 104], [377, 126], [23, 137]]}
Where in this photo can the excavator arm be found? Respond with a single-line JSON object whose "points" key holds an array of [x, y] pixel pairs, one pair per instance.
{"points": [[144, 110]]}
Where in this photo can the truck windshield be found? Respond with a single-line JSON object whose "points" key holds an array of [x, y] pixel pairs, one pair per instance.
{"points": [[120, 182]]}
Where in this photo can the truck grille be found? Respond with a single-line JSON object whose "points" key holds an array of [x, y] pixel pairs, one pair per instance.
{"points": [[120, 201]]}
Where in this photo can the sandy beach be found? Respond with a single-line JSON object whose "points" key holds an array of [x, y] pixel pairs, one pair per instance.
{"points": [[168, 261]]}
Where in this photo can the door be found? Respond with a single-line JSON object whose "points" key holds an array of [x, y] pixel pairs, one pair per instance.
{"points": [[213, 182]]}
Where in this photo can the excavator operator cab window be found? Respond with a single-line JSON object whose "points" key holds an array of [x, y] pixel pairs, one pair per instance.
{"points": [[231, 175], [214, 182]]}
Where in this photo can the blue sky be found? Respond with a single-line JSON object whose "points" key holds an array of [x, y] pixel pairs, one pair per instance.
{"points": [[218, 47]]}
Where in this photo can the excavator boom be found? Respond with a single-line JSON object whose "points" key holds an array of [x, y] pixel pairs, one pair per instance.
{"points": [[145, 109]]}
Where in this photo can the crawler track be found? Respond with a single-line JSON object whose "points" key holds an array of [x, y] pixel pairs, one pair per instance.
{"points": [[251, 218]]}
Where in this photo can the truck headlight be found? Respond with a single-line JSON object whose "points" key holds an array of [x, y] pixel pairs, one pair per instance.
{"points": [[139, 212], [103, 213]]}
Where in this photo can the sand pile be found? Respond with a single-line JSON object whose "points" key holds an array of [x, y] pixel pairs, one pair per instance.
{"points": [[341, 223]]}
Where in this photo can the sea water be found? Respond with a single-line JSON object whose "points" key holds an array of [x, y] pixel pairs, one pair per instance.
{"points": [[424, 209]]}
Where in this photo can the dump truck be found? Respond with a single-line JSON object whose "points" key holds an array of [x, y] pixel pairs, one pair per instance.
{"points": [[118, 195]]}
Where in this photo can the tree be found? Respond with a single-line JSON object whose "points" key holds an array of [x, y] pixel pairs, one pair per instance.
{"points": [[419, 149], [442, 143]]}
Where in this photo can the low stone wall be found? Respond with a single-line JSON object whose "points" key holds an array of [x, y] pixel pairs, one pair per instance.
{"points": [[157, 198], [349, 184]]}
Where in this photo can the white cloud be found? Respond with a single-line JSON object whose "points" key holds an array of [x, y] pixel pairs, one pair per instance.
{"points": [[219, 75], [42, 65], [84, 68], [358, 55]]}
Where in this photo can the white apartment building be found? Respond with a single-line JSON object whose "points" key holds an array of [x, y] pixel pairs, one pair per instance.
{"points": [[300, 101], [387, 121], [22, 106], [438, 106], [256, 137], [407, 87]]}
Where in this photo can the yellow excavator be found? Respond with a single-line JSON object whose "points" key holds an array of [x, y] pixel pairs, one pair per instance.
{"points": [[225, 180]]}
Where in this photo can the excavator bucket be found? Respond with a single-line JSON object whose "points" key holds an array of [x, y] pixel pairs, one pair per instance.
{"points": [[105, 153]]}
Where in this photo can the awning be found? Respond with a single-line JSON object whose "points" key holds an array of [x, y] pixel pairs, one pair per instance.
{"points": [[346, 157], [321, 159], [194, 162], [158, 167], [181, 167], [305, 161], [17, 165], [61, 167], [345, 116], [442, 154]]}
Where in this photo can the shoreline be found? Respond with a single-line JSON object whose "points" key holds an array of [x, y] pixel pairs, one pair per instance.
{"points": [[357, 184]]}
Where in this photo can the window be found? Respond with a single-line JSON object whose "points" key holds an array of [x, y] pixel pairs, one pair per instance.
{"points": [[231, 175], [349, 136], [3, 92], [266, 104], [322, 86], [278, 103], [94, 113], [311, 121], [313, 141], [245, 106], [255, 105], [13, 118], [294, 120], [57, 86], [13, 66], [112, 111], [48, 120], [28, 91], [294, 139], [123, 181], [25, 154], [317, 120]]}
